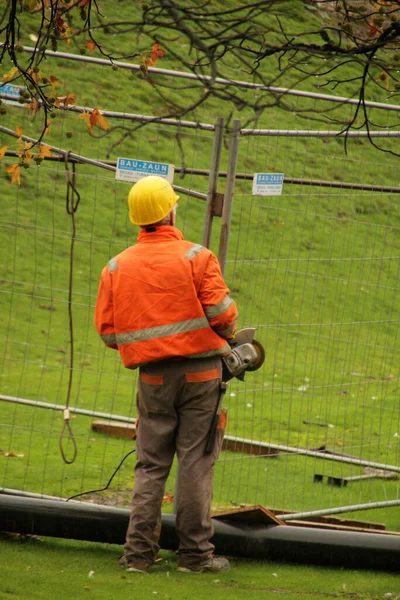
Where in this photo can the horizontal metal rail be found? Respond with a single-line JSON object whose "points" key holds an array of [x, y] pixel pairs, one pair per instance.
{"points": [[322, 134], [24, 494], [350, 460], [96, 163], [112, 114], [337, 510], [331, 184], [217, 80], [249, 176], [61, 408], [76, 157], [246, 443], [145, 118]]}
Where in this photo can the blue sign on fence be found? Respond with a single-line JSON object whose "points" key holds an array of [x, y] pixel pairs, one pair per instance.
{"points": [[267, 184], [130, 169], [8, 89]]}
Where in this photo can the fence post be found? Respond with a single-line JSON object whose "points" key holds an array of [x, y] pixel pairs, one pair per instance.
{"points": [[213, 180], [229, 191]]}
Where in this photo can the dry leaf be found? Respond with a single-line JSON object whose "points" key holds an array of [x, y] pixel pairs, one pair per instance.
{"points": [[18, 131], [96, 118], [168, 498], [8, 76], [47, 307], [156, 52], [48, 127], [3, 150], [36, 75], [44, 151], [86, 115], [69, 100], [12, 454], [91, 45], [15, 173], [66, 35], [53, 82], [65, 101], [33, 106], [373, 31]]}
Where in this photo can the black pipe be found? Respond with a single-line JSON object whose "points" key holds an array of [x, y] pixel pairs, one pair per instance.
{"points": [[92, 522]]}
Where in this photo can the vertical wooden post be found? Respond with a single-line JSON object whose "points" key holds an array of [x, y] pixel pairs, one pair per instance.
{"points": [[213, 180], [229, 191]]}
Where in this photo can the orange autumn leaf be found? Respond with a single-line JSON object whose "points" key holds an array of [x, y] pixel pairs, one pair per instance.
{"points": [[66, 35], [18, 131], [36, 75], [15, 173], [24, 151], [373, 31], [156, 52], [69, 100], [27, 156], [65, 101], [59, 21], [13, 454], [8, 76], [53, 82], [3, 150], [96, 118], [387, 82], [48, 127], [384, 76], [33, 106], [86, 115], [44, 151], [90, 45]]}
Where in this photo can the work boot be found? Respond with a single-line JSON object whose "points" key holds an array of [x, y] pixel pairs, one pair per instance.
{"points": [[213, 565], [133, 567]]}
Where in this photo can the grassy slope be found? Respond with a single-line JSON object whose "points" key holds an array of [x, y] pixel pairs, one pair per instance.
{"points": [[288, 268]]}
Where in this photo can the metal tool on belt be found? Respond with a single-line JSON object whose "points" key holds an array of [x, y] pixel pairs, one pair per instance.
{"points": [[247, 354]]}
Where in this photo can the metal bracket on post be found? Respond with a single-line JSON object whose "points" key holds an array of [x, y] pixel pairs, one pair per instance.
{"points": [[217, 204], [214, 205], [229, 191]]}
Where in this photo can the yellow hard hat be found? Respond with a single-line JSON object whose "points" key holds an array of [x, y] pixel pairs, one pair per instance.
{"points": [[150, 200]]}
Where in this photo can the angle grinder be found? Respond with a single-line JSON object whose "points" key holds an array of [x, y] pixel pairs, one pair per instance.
{"points": [[247, 354]]}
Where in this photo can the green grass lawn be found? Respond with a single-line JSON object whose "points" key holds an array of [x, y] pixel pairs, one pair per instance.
{"points": [[45, 568]]}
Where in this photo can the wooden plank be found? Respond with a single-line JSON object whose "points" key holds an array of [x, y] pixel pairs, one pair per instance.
{"points": [[345, 522], [115, 428], [249, 514], [254, 448], [322, 525]]}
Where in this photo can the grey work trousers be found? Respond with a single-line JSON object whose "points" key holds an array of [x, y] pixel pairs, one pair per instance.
{"points": [[176, 402]]}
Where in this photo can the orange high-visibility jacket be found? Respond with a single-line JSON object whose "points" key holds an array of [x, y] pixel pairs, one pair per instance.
{"points": [[162, 298]]}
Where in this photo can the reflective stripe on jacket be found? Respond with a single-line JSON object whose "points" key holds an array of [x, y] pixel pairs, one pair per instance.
{"points": [[164, 297]]}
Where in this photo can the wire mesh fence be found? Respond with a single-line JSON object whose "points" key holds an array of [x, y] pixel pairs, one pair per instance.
{"points": [[315, 270]]}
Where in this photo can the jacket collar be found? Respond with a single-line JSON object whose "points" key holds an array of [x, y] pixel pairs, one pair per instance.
{"points": [[162, 233]]}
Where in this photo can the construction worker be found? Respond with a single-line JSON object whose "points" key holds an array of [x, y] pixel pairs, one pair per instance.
{"points": [[164, 305]]}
